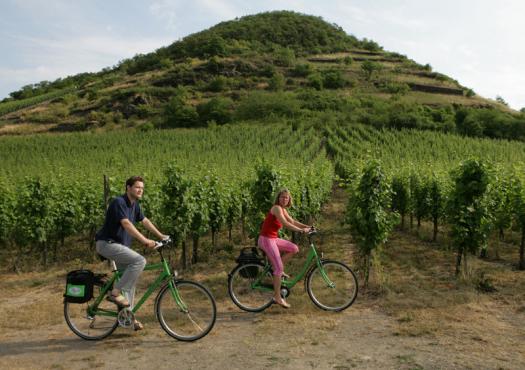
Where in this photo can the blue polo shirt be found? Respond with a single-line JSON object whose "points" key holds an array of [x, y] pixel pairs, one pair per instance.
{"points": [[119, 209]]}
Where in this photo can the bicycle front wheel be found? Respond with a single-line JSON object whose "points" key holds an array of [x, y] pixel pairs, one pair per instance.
{"points": [[249, 289], [190, 320], [94, 325], [335, 291]]}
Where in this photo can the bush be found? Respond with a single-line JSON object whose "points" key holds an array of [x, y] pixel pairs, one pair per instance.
{"points": [[277, 82], [302, 70], [178, 114], [284, 57], [333, 79], [218, 84], [315, 80], [259, 105], [216, 109]]}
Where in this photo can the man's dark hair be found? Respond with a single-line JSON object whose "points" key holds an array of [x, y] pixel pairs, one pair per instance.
{"points": [[132, 180]]}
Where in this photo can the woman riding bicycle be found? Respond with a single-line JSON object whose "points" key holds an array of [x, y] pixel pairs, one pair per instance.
{"points": [[272, 245]]}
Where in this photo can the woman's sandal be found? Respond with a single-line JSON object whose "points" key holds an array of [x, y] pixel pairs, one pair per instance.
{"points": [[119, 300], [283, 303], [137, 325]]}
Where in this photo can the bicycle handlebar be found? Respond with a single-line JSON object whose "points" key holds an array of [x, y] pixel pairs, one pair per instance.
{"points": [[162, 243], [312, 231]]}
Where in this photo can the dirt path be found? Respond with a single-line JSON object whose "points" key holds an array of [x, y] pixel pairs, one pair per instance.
{"points": [[481, 332], [358, 338]]}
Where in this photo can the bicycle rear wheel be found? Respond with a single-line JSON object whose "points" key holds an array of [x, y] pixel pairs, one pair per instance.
{"points": [[337, 296], [94, 326], [191, 322], [240, 289]]}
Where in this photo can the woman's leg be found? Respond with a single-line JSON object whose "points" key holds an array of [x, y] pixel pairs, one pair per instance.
{"points": [[274, 256], [288, 247]]}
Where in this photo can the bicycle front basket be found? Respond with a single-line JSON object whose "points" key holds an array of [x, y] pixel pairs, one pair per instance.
{"points": [[79, 286]]}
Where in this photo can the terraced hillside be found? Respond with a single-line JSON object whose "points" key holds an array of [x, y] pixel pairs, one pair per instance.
{"points": [[270, 66]]}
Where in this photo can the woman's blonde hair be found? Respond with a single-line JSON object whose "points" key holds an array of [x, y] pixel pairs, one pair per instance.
{"points": [[283, 191]]}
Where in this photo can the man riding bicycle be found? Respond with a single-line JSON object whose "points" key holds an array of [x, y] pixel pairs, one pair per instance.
{"points": [[113, 241]]}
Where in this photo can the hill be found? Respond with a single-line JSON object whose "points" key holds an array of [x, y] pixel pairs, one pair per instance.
{"points": [[267, 67]]}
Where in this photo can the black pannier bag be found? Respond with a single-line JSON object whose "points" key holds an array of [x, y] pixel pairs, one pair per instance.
{"points": [[249, 255], [79, 286]]}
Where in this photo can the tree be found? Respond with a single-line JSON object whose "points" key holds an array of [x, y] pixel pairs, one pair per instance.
{"points": [[369, 68]]}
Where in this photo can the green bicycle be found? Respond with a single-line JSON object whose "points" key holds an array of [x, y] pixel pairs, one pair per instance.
{"points": [[186, 310], [331, 285]]}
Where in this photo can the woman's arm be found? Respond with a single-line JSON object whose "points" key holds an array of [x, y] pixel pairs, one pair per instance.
{"points": [[292, 221], [280, 213]]}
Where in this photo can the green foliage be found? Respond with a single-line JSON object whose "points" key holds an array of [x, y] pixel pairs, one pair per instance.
{"points": [[262, 32], [369, 68], [177, 113], [218, 84], [218, 110], [367, 212], [302, 70], [400, 196], [14, 105], [518, 214], [419, 196], [348, 60], [177, 204], [370, 45], [262, 194], [437, 200], [284, 57], [469, 214], [333, 79], [7, 213], [259, 105], [315, 80], [276, 82]]}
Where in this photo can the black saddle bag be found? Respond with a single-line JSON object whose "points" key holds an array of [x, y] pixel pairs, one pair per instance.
{"points": [[79, 286], [249, 255]]}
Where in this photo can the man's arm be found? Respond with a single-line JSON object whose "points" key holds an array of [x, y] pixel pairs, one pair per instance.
{"points": [[151, 228], [132, 230]]}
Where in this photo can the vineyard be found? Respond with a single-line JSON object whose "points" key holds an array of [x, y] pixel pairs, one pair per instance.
{"points": [[472, 188], [197, 181], [201, 181]]}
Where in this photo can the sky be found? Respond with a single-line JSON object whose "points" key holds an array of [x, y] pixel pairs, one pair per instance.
{"points": [[480, 43]]}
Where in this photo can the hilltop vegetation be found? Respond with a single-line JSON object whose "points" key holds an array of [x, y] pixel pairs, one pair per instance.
{"points": [[268, 67]]}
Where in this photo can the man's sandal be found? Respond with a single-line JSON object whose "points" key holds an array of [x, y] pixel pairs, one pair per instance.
{"points": [[119, 300], [137, 325]]}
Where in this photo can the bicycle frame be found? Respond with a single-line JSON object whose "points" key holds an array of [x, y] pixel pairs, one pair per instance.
{"points": [[310, 258], [164, 275]]}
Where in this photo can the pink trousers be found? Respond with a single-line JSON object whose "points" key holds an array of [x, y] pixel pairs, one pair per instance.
{"points": [[273, 248]]}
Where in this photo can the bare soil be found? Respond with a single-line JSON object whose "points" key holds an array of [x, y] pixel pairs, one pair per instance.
{"points": [[414, 315]]}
